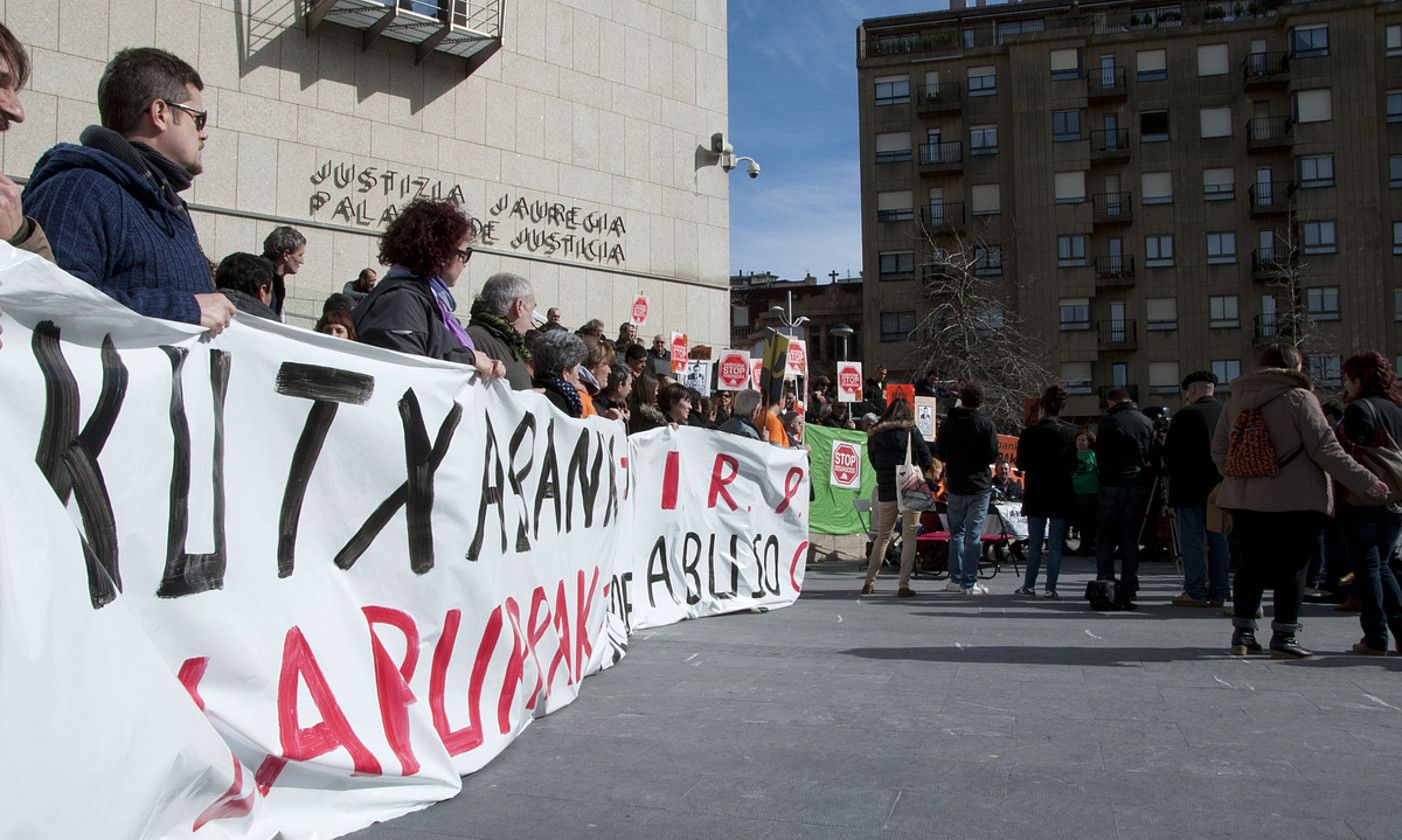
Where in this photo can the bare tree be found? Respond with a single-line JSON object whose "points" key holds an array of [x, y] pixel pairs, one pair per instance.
{"points": [[972, 329], [1285, 279]]}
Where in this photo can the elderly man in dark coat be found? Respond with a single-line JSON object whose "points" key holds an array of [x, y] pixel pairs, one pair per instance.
{"points": [[1187, 453]]}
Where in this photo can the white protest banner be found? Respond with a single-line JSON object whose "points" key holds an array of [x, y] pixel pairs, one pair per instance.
{"points": [[637, 315], [720, 524], [798, 359], [679, 352], [226, 526], [733, 370], [846, 470], [697, 376], [849, 382]]}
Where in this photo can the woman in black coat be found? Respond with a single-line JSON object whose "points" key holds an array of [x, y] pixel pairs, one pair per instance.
{"points": [[887, 444], [1046, 454]]}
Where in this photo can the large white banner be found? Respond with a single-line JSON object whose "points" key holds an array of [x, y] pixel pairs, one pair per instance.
{"points": [[280, 584]]}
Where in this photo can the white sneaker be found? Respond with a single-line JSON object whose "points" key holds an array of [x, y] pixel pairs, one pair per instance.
{"points": [[980, 589], [953, 587]]}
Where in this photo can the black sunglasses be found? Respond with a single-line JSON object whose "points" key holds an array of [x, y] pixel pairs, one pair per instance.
{"points": [[464, 254], [200, 117]]}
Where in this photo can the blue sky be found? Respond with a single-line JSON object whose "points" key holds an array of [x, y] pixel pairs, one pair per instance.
{"points": [[793, 107]]}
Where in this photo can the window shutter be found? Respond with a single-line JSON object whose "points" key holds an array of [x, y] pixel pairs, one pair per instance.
{"points": [[1212, 60], [1216, 122]]}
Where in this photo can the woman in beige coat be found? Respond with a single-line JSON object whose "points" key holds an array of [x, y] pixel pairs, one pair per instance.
{"points": [[1279, 518]]}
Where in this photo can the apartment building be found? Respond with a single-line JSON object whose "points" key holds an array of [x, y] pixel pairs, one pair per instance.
{"points": [[1143, 181]]}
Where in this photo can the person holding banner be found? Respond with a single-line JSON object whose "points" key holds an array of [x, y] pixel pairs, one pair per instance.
{"points": [[411, 310], [887, 444], [674, 401]]}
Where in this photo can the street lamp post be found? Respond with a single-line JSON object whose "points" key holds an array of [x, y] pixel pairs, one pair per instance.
{"points": [[845, 333], [791, 324]]}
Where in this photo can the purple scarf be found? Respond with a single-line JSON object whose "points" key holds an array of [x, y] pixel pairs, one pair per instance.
{"points": [[446, 305]]}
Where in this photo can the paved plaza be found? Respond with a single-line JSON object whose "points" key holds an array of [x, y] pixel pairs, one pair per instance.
{"points": [[952, 716]]}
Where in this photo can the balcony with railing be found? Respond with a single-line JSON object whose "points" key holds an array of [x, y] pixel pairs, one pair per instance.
{"points": [[1268, 328], [1109, 144], [1270, 263], [1266, 133], [1266, 68], [1117, 335], [1111, 209], [1114, 271], [941, 157], [1106, 84], [940, 98], [468, 29], [943, 216], [1271, 198]]}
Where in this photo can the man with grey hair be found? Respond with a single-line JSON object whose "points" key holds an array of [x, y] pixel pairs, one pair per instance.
{"points": [[1187, 452], [556, 356], [286, 249], [744, 416], [501, 317]]}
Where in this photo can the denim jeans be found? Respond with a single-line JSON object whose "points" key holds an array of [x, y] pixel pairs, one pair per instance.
{"points": [[966, 518], [1204, 577], [1037, 533], [1372, 534], [1121, 514]]}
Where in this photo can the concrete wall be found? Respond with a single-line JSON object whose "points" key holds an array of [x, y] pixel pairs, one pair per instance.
{"points": [[599, 106]]}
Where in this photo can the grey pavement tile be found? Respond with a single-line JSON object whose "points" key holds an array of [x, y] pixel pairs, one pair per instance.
{"points": [[1151, 824]]}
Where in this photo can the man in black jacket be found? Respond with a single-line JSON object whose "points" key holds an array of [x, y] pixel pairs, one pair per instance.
{"points": [[1122, 445], [247, 281], [967, 442], [1191, 478], [1046, 454], [501, 317]]}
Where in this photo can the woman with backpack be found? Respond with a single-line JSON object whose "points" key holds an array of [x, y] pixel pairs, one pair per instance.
{"points": [[1276, 453], [1373, 421], [887, 444]]}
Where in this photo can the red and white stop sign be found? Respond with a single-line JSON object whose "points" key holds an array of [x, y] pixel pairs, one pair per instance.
{"points": [[734, 371], [639, 313], [798, 358], [849, 382], [846, 464], [679, 352]]}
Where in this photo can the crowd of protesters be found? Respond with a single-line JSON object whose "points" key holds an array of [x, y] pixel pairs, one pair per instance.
{"points": [[1290, 476]]}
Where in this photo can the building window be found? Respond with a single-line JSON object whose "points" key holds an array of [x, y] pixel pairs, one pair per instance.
{"points": [[1394, 40], [897, 265], [1075, 314], [1163, 314], [1309, 41], [1066, 125], [897, 326], [1153, 127], [1066, 64], [893, 147], [1222, 312], [1163, 378], [1212, 60], [987, 200], [1215, 122], [1226, 370], [1326, 370], [1070, 187], [1158, 251], [1218, 184], [1221, 248], [893, 90], [895, 206], [1071, 251], [988, 261], [1156, 188], [1397, 304], [1322, 303], [1318, 171], [1152, 65], [1397, 237], [1394, 171], [983, 81], [1076, 378], [1394, 106], [1320, 238], [1313, 106], [983, 140]]}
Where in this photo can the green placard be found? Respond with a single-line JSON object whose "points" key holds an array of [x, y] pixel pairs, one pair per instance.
{"points": [[832, 511]]}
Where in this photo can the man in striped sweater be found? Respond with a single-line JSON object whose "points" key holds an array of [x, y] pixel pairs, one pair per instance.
{"points": [[111, 206]]}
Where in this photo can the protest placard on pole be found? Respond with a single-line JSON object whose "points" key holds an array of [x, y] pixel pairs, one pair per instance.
{"points": [[697, 376], [679, 352], [638, 314], [849, 382], [776, 364], [733, 370]]}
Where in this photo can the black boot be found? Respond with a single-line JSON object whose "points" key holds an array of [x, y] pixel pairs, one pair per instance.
{"points": [[1244, 637], [1283, 644]]}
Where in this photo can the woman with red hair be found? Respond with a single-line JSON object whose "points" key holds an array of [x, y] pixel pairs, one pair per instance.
{"points": [[1373, 413], [427, 246]]}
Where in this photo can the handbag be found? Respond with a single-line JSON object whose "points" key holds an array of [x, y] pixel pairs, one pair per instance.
{"points": [[912, 493], [1382, 458], [1219, 520]]}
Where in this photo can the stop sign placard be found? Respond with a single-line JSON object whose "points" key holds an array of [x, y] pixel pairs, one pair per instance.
{"points": [[733, 372], [849, 382], [846, 465], [638, 315], [798, 359]]}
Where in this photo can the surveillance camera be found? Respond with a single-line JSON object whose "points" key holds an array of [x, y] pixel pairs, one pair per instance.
{"points": [[753, 169]]}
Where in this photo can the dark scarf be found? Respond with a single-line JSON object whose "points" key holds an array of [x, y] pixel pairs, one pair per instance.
{"points": [[168, 177], [497, 326], [563, 388]]}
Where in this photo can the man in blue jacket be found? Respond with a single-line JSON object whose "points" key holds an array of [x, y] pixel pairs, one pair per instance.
{"points": [[111, 206]]}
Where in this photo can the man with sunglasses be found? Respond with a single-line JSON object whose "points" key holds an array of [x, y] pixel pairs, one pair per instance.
{"points": [[111, 206]]}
